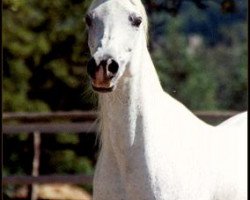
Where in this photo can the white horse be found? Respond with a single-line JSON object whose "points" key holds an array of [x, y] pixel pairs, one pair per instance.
{"points": [[153, 147]]}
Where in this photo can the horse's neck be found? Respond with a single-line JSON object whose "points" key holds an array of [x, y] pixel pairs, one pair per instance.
{"points": [[123, 111], [133, 119]]}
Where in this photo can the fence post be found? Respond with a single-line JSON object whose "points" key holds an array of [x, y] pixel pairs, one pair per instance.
{"points": [[36, 163]]}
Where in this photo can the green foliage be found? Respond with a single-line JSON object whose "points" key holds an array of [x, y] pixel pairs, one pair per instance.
{"points": [[17, 157], [184, 76], [65, 138], [203, 77], [67, 161], [45, 52]]}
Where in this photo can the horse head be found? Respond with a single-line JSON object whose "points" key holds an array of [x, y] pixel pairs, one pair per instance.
{"points": [[114, 30]]}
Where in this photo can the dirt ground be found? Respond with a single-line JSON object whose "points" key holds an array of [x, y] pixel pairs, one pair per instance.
{"points": [[56, 192]]}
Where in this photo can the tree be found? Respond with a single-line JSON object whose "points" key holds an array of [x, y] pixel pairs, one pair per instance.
{"points": [[45, 52], [173, 7], [211, 76]]}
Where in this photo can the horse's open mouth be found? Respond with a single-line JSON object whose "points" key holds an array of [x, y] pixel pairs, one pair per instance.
{"points": [[103, 89]]}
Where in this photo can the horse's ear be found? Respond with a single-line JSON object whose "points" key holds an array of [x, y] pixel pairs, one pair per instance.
{"points": [[88, 20]]}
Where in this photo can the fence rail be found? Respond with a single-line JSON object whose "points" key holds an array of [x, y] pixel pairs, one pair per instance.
{"points": [[89, 115], [70, 122], [50, 116], [52, 128], [53, 178], [76, 121]]}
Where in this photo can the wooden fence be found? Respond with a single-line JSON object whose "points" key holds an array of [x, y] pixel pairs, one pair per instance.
{"points": [[58, 122]]}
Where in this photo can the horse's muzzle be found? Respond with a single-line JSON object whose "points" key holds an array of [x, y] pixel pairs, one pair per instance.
{"points": [[102, 74]]}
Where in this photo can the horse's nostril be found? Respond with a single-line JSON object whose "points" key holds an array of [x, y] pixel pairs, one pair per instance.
{"points": [[91, 67], [109, 66], [113, 67]]}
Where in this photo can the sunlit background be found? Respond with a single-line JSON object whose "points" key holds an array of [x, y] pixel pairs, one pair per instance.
{"points": [[199, 49]]}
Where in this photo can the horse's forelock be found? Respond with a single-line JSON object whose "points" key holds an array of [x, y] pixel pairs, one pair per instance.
{"points": [[140, 7]]}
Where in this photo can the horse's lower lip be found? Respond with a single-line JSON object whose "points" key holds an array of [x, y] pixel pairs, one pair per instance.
{"points": [[103, 89]]}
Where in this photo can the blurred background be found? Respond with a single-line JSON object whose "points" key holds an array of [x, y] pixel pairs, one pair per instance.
{"points": [[199, 48]]}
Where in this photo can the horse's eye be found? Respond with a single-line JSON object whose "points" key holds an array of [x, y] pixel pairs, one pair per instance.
{"points": [[88, 20], [135, 20]]}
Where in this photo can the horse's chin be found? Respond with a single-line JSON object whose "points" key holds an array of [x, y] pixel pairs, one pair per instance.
{"points": [[103, 89], [104, 86]]}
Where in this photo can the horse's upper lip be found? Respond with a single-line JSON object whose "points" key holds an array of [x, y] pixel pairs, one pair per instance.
{"points": [[103, 89]]}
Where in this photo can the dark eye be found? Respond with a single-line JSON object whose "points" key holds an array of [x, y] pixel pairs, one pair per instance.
{"points": [[88, 20], [135, 20]]}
